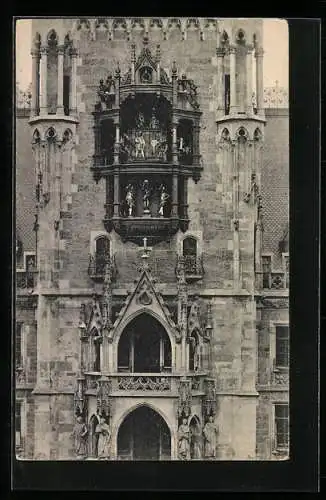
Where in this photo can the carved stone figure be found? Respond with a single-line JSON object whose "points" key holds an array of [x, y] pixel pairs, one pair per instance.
{"points": [[140, 121], [130, 199], [164, 198], [162, 150], [146, 196], [154, 122], [196, 439], [104, 437], [184, 440], [210, 435], [140, 145], [80, 437]]}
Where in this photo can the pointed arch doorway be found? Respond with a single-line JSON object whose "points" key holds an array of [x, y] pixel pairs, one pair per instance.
{"points": [[144, 435]]}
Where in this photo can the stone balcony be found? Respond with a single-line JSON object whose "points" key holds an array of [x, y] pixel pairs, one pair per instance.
{"points": [[275, 280], [144, 384], [26, 279]]}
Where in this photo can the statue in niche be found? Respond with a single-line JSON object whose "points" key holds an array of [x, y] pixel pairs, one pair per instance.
{"points": [[110, 84], [196, 350], [125, 147], [80, 437], [146, 196], [210, 435], [154, 144], [140, 145], [184, 440], [140, 121], [130, 199], [104, 437], [164, 199], [154, 124], [146, 75], [196, 441], [162, 150]]}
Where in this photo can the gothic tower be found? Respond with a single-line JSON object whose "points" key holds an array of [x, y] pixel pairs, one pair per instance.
{"points": [[147, 136]]}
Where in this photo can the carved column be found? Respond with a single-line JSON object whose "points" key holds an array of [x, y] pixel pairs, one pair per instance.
{"points": [[220, 82], [182, 309], [158, 65], [249, 79], [43, 81], [35, 82], [174, 141], [174, 211], [185, 198], [196, 155], [233, 95], [108, 204], [185, 399], [116, 203], [60, 110], [107, 314], [97, 136], [117, 144], [73, 83], [117, 87], [259, 53], [174, 85], [133, 62]]}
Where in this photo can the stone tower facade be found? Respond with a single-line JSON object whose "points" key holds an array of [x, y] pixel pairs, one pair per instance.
{"points": [[146, 300]]}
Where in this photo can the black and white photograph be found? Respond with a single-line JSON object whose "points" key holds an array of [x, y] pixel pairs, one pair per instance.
{"points": [[151, 239]]}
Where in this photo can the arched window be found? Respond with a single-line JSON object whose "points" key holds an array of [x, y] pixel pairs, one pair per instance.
{"points": [[144, 347], [189, 252]]}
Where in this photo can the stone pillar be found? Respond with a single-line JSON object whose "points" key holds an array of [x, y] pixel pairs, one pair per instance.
{"points": [[98, 160], [174, 212], [35, 82], [60, 110], [116, 204], [133, 62], [233, 95], [117, 144], [259, 53], [185, 198], [220, 82], [73, 82], [249, 80], [174, 142], [43, 81], [195, 149]]}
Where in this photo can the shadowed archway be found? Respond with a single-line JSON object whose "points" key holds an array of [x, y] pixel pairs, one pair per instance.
{"points": [[144, 435]]}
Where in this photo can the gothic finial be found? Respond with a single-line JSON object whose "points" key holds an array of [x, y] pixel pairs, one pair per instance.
{"points": [[174, 68], [158, 53], [145, 41], [145, 255]]}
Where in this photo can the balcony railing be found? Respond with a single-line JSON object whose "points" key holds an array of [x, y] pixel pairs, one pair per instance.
{"points": [[276, 280], [26, 279], [97, 266], [166, 383], [193, 266]]}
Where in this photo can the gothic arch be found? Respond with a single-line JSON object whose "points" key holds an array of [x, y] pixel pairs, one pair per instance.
{"points": [[144, 310], [225, 39], [128, 411], [258, 134], [50, 134], [242, 133], [240, 36], [67, 136], [37, 41], [225, 135], [52, 38], [36, 136]]}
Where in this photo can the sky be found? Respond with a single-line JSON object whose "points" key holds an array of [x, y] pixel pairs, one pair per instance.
{"points": [[276, 60]]}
